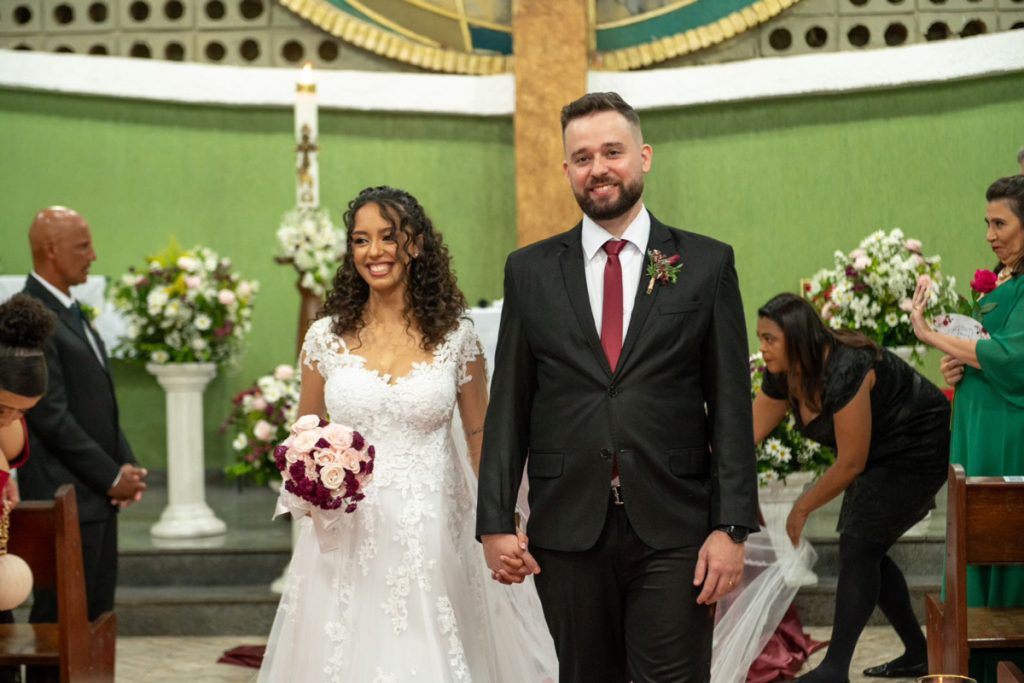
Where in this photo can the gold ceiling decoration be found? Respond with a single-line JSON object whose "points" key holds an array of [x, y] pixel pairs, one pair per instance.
{"points": [[475, 36]]}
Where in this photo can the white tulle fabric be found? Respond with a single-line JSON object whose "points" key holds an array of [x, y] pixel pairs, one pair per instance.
{"points": [[773, 572], [406, 596]]}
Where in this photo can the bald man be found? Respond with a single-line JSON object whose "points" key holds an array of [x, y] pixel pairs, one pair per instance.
{"points": [[74, 432]]}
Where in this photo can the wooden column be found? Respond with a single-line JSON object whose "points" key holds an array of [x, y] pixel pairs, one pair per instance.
{"points": [[551, 47]]}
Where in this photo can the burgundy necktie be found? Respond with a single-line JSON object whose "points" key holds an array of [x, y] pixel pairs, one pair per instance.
{"points": [[611, 307], [611, 317]]}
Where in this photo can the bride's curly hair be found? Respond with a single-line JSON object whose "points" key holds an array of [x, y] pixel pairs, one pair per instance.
{"points": [[433, 301]]}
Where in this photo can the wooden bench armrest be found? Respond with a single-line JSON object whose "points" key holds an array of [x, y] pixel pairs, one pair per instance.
{"points": [[1008, 672]]}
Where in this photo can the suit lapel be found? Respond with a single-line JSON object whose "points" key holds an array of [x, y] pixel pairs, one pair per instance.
{"points": [[67, 317], [661, 239], [576, 287]]}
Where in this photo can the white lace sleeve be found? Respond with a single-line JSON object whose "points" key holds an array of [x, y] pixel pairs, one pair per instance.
{"points": [[321, 350], [469, 351]]}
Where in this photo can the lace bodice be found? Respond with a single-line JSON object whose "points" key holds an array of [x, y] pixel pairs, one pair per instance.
{"points": [[407, 418]]}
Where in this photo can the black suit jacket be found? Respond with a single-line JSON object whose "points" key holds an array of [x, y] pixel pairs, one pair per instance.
{"points": [[676, 411], [74, 430]]}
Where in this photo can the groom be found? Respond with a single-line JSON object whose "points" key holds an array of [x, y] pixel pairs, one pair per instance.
{"points": [[628, 403]]}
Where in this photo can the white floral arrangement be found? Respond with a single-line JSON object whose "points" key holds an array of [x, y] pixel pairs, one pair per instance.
{"points": [[309, 241], [869, 290], [261, 418], [184, 306], [785, 450]]}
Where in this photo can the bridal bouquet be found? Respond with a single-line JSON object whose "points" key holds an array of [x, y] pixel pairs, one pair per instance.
{"points": [[869, 290], [308, 240], [326, 467], [260, 419], [184, 306], [786, 450]]}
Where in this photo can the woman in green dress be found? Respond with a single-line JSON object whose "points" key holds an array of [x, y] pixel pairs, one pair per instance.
{"points": [[988, 413]]}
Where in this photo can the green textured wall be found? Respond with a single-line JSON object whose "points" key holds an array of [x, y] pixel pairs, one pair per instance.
{"points": [[140, 172], [785, 181]]}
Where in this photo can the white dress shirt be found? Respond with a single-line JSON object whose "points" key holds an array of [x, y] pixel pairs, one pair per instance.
{"points": [[631, 258], [68, 302]]}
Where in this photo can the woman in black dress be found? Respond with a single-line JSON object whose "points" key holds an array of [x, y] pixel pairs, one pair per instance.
{"points": [[890, 429]]}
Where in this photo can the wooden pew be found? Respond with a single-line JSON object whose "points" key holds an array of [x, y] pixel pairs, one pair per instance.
{"points": [[1008, 672], [982, 527], [46, 535]]}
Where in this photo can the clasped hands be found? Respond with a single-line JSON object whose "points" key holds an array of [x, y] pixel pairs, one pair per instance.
{"points": [[508, 557], [129, 486], [719, 563]]}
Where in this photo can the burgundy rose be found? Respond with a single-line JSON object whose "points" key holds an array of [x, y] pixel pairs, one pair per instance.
{"points": [[984, 281], [358, 441]]}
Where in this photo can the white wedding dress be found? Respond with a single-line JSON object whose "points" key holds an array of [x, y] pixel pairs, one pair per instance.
{"points": [[406, 595]]}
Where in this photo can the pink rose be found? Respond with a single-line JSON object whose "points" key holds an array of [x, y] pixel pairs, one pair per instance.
{"points": [[332, 476], [226, 297], [306, 422], [861, 262], [263, 430], [924, 281], [858, 253], [325, 456], [305, 441], [913, 245], [339, 436], [259, 403], [351, 460], [292, 455], [906, 305], [244, 290], [193, 281], [984, 281], [284, 372]]}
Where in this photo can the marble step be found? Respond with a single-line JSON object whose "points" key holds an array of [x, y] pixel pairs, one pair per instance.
{"points": [[197, 567], [919, 556], [195, 611], [816, 604]]}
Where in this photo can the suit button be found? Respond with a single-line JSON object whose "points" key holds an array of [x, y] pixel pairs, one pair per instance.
{"points": [[612, 391], [606, 453]]}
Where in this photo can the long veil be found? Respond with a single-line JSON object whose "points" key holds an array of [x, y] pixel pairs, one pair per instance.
{"points": [[773, 572], [514, 613]]}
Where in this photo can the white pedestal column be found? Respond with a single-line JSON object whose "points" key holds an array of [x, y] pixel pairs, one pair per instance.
{"points": [[187, 515]]}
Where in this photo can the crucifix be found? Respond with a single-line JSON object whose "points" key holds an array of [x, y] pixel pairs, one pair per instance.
{"points": [[306, 148]]}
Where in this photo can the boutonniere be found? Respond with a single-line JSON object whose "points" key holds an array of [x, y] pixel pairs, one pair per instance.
{"points": [[663, 269], [89, 312]]}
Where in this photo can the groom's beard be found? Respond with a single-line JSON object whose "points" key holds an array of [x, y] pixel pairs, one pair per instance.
{"points": [[610, 209]]}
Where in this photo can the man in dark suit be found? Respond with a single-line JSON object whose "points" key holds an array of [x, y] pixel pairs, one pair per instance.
{"points": [[627, 401], [74, 432]]}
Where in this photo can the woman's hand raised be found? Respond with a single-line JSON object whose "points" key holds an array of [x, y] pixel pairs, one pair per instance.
{"points": [[922, 295]]}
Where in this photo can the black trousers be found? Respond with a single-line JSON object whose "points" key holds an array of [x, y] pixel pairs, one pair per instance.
{"points": [[99, 563], [623, 611]]}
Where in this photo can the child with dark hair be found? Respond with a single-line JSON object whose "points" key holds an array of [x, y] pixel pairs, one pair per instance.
{"points": [[24, 326]]}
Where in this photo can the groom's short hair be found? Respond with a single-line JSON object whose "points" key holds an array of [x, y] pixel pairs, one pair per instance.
{"points": [[595, 102]]}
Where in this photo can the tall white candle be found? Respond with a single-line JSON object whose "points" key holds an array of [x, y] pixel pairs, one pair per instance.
{"points": [[307, 188]]}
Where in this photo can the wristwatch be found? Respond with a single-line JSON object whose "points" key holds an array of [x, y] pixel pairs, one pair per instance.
{"points": [[738, 534]]}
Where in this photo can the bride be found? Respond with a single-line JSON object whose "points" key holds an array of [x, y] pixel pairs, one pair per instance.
{"points": [[406, 595]]}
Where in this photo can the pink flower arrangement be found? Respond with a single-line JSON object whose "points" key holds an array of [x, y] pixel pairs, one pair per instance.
{"points": [[325, 464]]}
